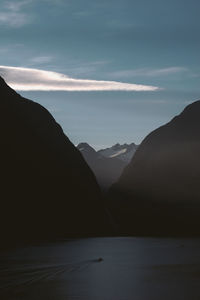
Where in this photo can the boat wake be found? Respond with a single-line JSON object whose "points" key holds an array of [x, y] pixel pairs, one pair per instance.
{"points": [[15, 278]]}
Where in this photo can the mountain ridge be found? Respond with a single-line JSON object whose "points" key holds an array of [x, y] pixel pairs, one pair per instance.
{"points": [[123, 152]]}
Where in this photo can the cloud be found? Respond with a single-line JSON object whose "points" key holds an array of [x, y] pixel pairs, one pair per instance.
{"points": [[16, 6], [79, 68], [12, 14], [13, 19], [27, 79], [39, 60], [148, 72]]}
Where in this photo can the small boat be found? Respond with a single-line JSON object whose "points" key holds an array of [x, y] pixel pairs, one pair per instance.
{"points": [[100, 259]]}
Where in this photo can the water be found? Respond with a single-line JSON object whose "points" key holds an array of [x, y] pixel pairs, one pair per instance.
{"points": [[131, 269]]}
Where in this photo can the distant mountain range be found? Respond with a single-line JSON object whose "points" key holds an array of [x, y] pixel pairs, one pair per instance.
{"points": [[46, 188], [159, 191], [123, 152], [107, 164]]}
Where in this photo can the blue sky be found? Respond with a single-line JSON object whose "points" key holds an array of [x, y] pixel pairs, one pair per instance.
{"points": [[117, 69]]}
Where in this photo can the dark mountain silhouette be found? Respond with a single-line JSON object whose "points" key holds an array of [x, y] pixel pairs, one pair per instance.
{"points": [[107, 170], [46, 188], [159, 190]]}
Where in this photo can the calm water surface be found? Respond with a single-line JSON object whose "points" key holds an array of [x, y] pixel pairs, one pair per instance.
{"points": [[132, 269]]}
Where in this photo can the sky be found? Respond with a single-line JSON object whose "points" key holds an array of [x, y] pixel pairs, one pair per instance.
{"points": [[109, 71]]}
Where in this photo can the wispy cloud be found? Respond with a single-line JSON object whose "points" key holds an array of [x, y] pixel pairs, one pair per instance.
{"points": [[148, 72], [13, 19], [27, 79], [41, 59], [12, 13], [16, 5], [38, 61], [79, 68]]}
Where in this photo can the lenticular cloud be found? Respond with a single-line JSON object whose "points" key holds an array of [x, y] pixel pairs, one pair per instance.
{"points": [[26, 79]]}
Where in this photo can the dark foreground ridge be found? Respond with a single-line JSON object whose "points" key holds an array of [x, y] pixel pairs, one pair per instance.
{"points": [[159, 192], [46, 188]]}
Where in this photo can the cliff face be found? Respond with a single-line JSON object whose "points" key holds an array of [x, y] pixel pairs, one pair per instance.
{"points": [[161, 184], [46, 188]]}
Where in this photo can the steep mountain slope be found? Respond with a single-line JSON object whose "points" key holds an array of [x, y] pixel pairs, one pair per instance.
{"points": [[46, 188], [106, 170], [159, 189]]}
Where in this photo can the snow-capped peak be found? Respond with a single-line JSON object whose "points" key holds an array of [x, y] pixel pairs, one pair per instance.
{"points": [[123, 152]]}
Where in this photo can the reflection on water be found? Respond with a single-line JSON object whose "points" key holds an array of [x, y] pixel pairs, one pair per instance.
{"points": [[103, 268]]}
